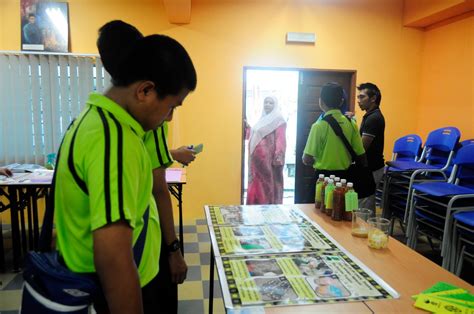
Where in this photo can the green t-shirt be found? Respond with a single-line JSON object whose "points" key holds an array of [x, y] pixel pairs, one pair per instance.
{"points": [[157, 147], [104, 175], [327, 148]]}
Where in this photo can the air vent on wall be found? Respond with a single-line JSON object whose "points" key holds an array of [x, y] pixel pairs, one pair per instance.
{"points": [[300, 38]]}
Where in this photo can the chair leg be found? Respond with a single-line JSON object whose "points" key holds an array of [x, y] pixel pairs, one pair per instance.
{"points": [[385, 204], [460, 262], [413, 234], [455, 260], [413, 239], [401, 227], [392, 224], [410, 221], [450, 259]]}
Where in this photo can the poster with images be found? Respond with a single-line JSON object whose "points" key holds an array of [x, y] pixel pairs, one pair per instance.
{"points": [[253, 214], [44, 26], [300, 278], [242, 239]]}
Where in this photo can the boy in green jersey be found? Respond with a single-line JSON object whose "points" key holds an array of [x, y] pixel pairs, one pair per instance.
{"points": [[104, 177]]}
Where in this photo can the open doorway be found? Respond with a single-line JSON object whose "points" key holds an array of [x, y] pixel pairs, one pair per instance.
{"points": [[283, 85], [297, 92]]}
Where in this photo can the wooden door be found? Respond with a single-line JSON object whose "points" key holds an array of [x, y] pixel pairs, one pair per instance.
{"points": [[309, 89]]}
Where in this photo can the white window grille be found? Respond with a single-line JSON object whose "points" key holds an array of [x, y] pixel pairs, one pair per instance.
{"points": [[40, 94]]}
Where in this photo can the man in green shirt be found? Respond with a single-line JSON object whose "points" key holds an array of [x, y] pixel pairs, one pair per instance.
{"points": [[324, 150]]}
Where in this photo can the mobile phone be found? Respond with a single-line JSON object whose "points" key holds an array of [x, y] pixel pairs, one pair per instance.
{"points": [[198, 148]]}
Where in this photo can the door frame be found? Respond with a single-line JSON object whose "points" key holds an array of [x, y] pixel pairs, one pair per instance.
{"points": [[275, 68]]}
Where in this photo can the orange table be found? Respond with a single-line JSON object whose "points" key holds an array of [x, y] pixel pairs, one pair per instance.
{"points": [[403, 269]]}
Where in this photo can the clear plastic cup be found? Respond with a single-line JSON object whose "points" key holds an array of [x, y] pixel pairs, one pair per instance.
{"points": [[378, 232], [360, 226]]}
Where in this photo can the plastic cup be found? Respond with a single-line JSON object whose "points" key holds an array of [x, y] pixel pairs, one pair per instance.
{"points": [[360, 226], [378, 232]]}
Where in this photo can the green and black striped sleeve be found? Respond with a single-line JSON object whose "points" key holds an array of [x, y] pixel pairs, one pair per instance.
{"points": [[157, 147]]}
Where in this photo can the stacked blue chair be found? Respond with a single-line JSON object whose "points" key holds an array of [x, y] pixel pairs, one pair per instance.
{"points": [[406, 148], [437, 155], [467, 142], [460, 144], [434, 203], [463, 240]]}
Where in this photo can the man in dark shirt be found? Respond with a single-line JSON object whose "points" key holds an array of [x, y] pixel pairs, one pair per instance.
{"points": [[372, 131], [31, 31]]}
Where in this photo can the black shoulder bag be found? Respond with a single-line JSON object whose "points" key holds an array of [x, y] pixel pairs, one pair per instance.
{"points": [[358, 172]]}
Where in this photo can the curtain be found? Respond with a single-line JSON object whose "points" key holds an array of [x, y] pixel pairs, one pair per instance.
{"points": [[39, 97]]}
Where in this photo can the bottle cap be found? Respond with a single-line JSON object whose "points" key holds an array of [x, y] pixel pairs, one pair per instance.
{"points": [[343, 181], [337, 179], [332, 176], [338, 184], [326, 179], [331, 181], [350, 184], [321, 176]]}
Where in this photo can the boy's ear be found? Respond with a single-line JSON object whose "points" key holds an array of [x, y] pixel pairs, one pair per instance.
{"points": [[144, 89]]}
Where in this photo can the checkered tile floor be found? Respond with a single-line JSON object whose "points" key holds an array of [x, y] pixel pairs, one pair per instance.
{"points": [[193, 294]]}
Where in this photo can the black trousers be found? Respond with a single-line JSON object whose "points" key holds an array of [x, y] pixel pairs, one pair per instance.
{"points": [[161, 295]]}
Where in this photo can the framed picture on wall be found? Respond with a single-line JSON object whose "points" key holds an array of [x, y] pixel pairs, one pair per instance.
{"points": [[44, 26]]}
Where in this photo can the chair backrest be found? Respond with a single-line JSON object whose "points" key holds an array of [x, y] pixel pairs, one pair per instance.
{"points": [[440, 146], [443, 139], [407, 148], [467, 142], [463, 169]]}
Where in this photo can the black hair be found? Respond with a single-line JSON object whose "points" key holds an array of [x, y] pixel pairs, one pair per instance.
{"points": [[332, 95], [372, 90], [129, 57], [31, 15], [115, 41]]}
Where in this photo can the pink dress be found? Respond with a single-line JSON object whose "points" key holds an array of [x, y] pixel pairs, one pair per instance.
{"points": [[266, 169]]}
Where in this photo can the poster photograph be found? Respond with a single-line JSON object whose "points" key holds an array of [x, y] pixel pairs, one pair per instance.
{"points": [[253, 214], [274, 238], [44, 26], [300, 278]]}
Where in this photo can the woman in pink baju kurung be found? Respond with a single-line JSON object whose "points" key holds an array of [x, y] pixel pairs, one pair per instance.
{"points": [[267, 147]]}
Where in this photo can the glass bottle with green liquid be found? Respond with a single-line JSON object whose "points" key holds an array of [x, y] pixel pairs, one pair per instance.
{"points": [[317, 194], [328, 197], [351, 201]]}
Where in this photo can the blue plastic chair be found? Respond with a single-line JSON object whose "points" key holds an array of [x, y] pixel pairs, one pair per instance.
{"points": [[437, 152], [407, 148], [463, 240], [435, 159], [460, 144], [433, 203]]}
